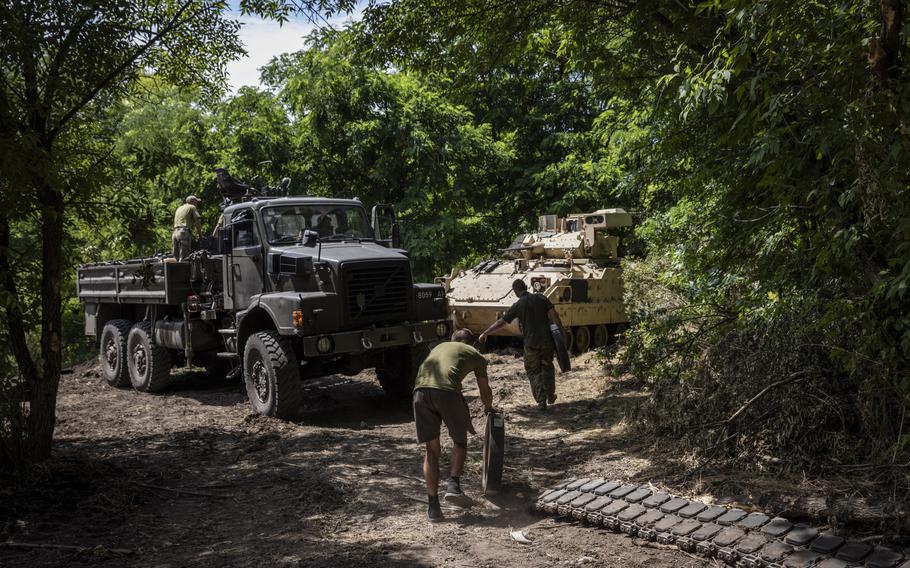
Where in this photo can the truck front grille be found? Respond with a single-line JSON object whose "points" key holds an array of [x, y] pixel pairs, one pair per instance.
{"points": [[377, 293]]}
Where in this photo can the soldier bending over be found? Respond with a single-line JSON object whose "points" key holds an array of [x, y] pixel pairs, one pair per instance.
{"points": [[437, 399], [535, 313]]}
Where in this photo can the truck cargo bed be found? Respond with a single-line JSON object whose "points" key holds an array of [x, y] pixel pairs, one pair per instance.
{"points": [[150, 281]]}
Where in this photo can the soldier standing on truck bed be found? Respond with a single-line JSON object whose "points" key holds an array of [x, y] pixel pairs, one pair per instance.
{"points": [[437, 399], [535, 313], [186, 219]]}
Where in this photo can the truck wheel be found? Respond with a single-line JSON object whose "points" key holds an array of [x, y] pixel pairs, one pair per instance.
{"points": [[150, 363], [114, 367], [272, 375], [399, 370]]}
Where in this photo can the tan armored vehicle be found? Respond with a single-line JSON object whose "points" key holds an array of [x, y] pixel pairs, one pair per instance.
{"points": [[572, 260]]}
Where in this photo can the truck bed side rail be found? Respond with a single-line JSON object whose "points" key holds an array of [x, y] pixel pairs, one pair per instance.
{"points": [[143, 282]]}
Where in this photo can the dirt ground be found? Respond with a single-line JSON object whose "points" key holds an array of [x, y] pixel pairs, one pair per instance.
{"points": [[193, 478]]}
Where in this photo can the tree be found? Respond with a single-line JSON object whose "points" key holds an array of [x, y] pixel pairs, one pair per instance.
{"points": [[361, 130], [765, 161], [65, 63]]}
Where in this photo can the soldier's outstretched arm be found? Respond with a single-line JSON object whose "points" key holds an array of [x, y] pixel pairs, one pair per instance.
{"points": [[495, 325]]}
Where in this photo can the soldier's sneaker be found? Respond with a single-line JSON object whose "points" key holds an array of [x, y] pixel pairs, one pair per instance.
{"points": [[456, 496], [434, 513], [551, 399]]}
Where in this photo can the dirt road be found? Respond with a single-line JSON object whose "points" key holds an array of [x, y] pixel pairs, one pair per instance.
{"points": [[192, 478]]}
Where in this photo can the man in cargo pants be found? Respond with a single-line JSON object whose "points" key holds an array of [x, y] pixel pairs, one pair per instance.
{"points": [[437, 399], [535, 313], [186, 219]]}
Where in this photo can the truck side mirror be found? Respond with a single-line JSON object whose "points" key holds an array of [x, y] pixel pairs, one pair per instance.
{"points": [[396, 235], [384, 225], [225, 242]]}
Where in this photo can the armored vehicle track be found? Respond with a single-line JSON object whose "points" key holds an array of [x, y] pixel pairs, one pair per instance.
{"points": [[749, 540]]}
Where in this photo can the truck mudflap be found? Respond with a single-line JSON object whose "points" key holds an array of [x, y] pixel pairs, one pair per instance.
{"points": [[750, 540], [363, 340]]}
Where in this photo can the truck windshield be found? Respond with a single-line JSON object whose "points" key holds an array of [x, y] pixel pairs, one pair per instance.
{"points": [[286, 224]]}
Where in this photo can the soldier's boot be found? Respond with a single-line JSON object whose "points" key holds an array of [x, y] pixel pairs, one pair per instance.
{"points": [[434, 511], [455, 495]]}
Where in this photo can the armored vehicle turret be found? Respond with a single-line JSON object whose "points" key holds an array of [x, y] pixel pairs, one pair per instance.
{"points": [[572, 260]]}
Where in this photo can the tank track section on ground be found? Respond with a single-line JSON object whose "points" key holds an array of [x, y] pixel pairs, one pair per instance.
{"points": [[738, 538]]}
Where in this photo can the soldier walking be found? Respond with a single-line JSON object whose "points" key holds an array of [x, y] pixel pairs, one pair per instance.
{"points": [[186, 219], [438, 399], [535, 313]]}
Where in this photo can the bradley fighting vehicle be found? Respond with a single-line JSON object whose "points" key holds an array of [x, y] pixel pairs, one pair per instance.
{"points": [[572, 260], [295, 288]]}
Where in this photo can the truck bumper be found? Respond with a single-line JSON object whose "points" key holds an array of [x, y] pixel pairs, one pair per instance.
{"points": [[363, 340]]}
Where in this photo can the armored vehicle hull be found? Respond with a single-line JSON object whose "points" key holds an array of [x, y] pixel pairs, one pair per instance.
{"points": [[573, 261]]}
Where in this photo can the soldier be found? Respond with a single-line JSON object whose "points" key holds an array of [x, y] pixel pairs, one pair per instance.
{"points": [[535, 313], [437, 399], [186, 219]]}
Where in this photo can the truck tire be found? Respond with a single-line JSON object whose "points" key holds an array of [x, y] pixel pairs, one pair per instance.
{"points": [[113, 357], [149, 363], [272, 375], [399, 370]]}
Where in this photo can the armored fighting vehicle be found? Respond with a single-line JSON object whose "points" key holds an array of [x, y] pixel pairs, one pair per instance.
{"points": [[572, 260], [295, 288]]}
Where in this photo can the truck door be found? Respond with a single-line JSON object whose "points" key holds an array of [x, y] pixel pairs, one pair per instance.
{"points": [[244, 277]]}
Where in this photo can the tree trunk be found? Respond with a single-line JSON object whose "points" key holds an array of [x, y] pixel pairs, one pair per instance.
{"points": [[14, 324], [42, 416], [884, 50]]}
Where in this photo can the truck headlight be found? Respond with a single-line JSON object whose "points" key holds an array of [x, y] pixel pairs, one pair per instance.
{"points": [[324, 344], [442, 329]]}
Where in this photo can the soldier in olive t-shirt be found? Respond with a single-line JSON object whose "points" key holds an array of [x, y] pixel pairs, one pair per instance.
{"points": [[186, 220], [447, 366], [437, 399]]}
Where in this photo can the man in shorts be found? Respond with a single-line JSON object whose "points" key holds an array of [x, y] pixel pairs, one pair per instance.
{"points": [[438, 399]]}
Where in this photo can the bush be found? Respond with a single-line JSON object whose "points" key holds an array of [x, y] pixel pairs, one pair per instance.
{"points": [[754, 380]]}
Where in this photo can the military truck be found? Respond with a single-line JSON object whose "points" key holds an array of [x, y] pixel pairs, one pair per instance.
{"points": [[294, 288], [572, 260]]}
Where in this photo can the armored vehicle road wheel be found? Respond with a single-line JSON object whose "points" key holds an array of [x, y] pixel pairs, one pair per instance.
{"points": [[399, 370], [150, 364], [582, 339], [601, 336], [114, 366], [272, 375], [570, 339], [494, 443]]}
